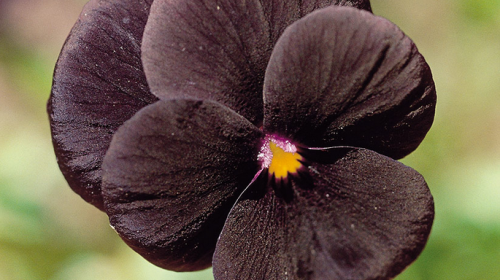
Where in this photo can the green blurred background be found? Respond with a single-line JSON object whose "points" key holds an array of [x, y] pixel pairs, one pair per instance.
{"points": [[48, 232]]}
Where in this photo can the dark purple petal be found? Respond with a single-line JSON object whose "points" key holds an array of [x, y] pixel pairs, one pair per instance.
{"points": [[342, 76], [357, 215], [98, 84], [218, 50], [171, 175]]}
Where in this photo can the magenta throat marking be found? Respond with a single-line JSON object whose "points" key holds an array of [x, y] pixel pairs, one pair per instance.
{"points": [[265, 155]]}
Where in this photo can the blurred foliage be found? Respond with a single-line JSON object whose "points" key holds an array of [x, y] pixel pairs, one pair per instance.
{"points": [[48, 232]]}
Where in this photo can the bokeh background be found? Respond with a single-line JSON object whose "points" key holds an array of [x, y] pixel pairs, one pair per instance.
{"points": [[48, 232]]}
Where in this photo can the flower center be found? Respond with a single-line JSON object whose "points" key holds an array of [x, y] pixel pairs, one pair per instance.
{"points": [[279, 156]]}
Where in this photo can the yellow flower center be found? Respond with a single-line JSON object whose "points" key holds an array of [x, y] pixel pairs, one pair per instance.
{"points": [[283, 162]]}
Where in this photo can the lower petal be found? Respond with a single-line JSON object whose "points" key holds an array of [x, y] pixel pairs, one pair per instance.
{"points": [[355, 215]]}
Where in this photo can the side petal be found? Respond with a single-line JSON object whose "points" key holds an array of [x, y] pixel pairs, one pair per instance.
{"points": [[342, 76], [98, 84], [357, 215], [171, 175], [218, 50]]}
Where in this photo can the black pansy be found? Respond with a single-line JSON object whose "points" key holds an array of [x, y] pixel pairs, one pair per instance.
{"points": [[259, 137]]}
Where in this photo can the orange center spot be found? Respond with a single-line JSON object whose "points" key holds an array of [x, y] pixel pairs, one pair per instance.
{"points": [[283, 162]]}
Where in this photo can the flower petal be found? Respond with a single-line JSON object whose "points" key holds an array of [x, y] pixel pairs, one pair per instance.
{"points": [[171, 175], [218, 50], [342, 76], [357, 215], [98, 84]]}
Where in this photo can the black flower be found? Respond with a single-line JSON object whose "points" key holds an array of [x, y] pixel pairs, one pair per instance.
{"points": [[260, 138]]}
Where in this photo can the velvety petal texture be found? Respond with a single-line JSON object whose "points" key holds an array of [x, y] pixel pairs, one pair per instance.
{"points": [[351, 214], [171, 175], [218, 50], [343, 76], [98, 84], [169, 114]]}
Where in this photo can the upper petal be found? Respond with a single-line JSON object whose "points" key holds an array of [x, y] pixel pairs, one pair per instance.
{"points": [[218, 50], [98, 84], [356, 215], [342, 76], [171, 175]]}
